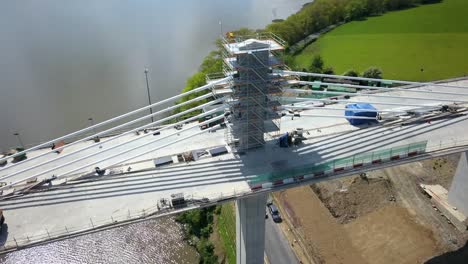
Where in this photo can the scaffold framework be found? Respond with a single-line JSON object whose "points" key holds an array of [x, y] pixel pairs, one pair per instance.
{"points": [[254, 87]]}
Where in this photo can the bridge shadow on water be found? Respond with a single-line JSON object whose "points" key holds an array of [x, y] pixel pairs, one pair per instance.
{"points": [[245, 167], [459, 256]]}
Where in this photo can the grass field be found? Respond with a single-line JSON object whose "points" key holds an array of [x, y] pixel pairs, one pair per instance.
{"points": [[430, 37], [227, 231]]}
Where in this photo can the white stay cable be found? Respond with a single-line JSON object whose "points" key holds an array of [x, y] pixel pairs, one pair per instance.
{"points": [[298, 99], [126, 142], [48, 143], [377, 95], [367, 79], [113, 155], [341, 109], [110, 130], [333, 116], [377, 88]]}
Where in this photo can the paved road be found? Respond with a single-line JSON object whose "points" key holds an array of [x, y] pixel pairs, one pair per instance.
{"points": [[277, 248]]}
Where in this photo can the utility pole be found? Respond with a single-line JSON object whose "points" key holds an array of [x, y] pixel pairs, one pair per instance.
{"points": [[221, 27], [149, 95], [19, 139], [91, 121]]}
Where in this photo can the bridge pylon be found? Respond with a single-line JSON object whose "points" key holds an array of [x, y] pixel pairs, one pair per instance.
{"points": [[250, 229], [250, 61], [458, 193]]}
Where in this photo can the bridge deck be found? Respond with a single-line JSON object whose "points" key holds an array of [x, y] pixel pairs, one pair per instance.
{"points": [[93, 202]]}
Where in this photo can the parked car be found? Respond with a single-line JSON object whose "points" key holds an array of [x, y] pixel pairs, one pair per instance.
{"points": [[274, 213]]}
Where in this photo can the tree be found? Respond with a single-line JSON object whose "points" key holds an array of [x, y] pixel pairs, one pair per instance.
{"points": [[317, 64], [351, 73], [372, 72], [375, 7], [397, 4], [328, 70], [355, 10], [206, 250], [304, 78], [430, 1], [198, 222]]}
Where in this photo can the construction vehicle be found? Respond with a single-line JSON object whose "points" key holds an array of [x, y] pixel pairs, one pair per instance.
{"points": [[294, 137]]}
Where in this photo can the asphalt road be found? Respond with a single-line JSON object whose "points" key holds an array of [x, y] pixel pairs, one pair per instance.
{"points": [[277, 248]]}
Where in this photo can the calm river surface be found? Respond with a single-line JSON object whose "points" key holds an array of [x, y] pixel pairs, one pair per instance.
{"points": [[62, 62]]}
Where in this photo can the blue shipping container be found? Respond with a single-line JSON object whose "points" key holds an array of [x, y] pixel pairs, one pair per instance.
{"points": [[357, 122]]}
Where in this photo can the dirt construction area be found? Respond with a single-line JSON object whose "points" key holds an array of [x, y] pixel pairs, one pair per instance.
{"points": [[381, 217]]}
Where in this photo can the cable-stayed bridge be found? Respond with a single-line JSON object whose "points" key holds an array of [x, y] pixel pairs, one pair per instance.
{"points": [[227, 148]]}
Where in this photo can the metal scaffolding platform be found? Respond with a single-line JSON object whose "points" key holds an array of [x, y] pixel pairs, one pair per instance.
{"points": [[254, 87]]}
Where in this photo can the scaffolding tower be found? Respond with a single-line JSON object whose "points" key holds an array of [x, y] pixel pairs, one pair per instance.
{"points": [[252, 111]]}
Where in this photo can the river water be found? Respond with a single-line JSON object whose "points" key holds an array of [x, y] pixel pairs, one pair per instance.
{"points": [[155, 241], [62, 62]]}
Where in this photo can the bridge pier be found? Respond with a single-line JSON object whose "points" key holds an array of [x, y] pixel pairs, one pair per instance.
{"points": [[458, 193], [250, 229]]}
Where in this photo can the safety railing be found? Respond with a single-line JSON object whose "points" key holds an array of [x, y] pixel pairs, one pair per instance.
{"points": [[259, 36], [214, 76], [194, 201]]}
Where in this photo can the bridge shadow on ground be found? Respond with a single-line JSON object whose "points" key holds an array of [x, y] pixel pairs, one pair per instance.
{"points": [[459, 256]]}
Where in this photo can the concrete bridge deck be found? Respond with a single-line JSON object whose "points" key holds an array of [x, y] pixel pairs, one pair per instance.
{"points": [[83, 205]]}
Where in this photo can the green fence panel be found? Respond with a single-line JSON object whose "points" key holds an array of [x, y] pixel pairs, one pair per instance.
{"points": [[385, 154], [341, 89]]}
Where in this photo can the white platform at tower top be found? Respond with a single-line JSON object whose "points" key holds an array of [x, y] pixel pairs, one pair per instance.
{"points": [[240, 47]]}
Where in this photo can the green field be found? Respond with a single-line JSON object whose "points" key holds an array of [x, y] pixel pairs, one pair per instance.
{"points": [[227, 231], [430, 37]]}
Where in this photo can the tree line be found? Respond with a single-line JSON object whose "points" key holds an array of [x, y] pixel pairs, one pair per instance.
{"points": [[318, 66], [320, 14]]}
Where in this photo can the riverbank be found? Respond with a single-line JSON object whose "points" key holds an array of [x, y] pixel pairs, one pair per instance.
{"points": [[212, 232]]}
